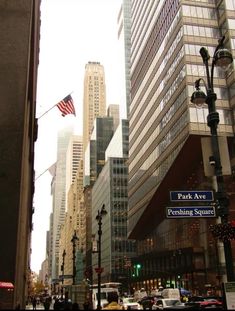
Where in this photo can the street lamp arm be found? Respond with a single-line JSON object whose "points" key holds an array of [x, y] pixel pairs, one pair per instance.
{"points": [[205, 57], [197, 84]]}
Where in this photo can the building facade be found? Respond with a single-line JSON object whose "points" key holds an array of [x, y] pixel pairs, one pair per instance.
{"points": [[59, 198], [124, 35], [19, 56], [94, 97], [165, 151], [73, 156], [95, 153], [110, 189]]}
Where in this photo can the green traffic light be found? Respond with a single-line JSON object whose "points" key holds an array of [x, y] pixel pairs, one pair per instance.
{"points": [[138, 266]]}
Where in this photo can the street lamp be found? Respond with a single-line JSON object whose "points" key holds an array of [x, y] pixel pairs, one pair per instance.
{"points": [[62, 270], [222, 58], [99, 217], [74, 240]]}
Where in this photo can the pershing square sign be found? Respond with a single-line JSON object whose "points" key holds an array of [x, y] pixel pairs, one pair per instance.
{"points": [[190, 211]]}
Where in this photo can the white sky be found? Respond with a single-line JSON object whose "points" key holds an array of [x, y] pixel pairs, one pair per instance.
{"points": [[73, 32]]}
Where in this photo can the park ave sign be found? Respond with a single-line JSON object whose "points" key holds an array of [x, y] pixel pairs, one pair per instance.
{"points": [[194, 196], [190, 211]]}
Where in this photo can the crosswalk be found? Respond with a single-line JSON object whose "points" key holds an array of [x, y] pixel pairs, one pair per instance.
{"points": [[38, 307]]}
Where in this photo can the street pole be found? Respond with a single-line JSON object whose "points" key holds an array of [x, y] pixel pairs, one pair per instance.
{"points": [[221, 57], [62, 269], [73, 240], [99, 262], [99, 216]]}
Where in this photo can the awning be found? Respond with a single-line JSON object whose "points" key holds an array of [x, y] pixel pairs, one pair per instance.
{"points": [[6, 285]]}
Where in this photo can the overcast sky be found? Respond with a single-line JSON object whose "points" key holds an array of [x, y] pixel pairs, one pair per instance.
{"points": [[73, 32]]}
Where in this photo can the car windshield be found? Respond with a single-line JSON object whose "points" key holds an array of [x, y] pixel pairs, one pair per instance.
{"points": [[128, 300], [172, 302], [103, 295]]}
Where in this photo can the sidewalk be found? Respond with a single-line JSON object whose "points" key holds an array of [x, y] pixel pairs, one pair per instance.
{"points": [[38, 307]]}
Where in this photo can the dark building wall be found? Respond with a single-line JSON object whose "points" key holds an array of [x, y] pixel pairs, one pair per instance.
{"points": [[19, 37]]}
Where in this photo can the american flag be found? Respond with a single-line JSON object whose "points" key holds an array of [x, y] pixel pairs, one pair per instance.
{"points": [[66, 106]]}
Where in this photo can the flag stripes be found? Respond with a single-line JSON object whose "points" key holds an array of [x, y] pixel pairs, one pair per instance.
{"points": [[66, 106]]}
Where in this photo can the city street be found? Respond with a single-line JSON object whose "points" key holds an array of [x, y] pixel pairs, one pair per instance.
{"points": [[38, 307]]}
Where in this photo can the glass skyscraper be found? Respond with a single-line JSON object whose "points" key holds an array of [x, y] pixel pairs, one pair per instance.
{"points": [[165, 150]]}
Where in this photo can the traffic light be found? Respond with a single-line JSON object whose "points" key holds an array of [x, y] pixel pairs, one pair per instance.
{"points": [[138, 267]]}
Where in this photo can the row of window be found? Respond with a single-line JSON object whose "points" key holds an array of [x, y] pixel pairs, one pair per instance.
{"points": [[200, 115], [158, 34], [201, 31], [147, 163], [230, 4], [199, 12]]}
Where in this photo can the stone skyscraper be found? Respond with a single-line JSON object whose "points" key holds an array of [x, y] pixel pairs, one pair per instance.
{"points": [[94, 98]]}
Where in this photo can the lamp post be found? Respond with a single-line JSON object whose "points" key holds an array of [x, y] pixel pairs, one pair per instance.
{"points": [[62, 270], [99, 217], [222, 58], [74, 240], [178, 267]]}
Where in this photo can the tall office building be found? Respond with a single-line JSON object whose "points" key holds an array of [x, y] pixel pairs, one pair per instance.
{"points": [[75, 221], [95, 153], [165, 133], [124, 35], [19, 57], [110, 189], [73, 155], [113, 111], [94, 97], [59, 197]]}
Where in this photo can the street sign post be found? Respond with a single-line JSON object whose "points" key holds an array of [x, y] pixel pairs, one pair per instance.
{"points": [[190, 211]]}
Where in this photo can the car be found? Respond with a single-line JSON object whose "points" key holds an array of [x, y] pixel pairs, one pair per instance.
{"points": [[129, 303], [204, 302], [139, 294], [147, 302], [166, 303]]}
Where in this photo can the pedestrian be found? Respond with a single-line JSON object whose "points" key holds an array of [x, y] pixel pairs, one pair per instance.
{"points": [[75, 306], [86, 305], [47, 304], [34, 303], [68, 305], [113, 302], [56, 304]]}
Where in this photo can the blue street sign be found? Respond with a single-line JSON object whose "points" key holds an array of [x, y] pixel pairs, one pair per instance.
{"points": [[193, 196], [190, 211]]}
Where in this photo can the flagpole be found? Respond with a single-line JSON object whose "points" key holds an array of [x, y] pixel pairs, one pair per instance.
{"points": [[47, 111], [50, 108], [41, 174]]}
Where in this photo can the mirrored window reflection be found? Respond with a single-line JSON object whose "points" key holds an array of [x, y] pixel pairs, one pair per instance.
{"points": [[200, 115], [201, 31], [230, 4], [199, 12], [231, 23]]}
